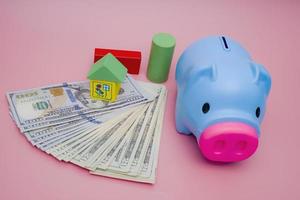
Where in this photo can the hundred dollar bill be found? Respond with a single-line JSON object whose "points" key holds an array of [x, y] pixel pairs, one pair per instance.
{"points": [[119, 136], [46, 106], [80, 147], [130, 149], [61, 132], [150, 174], [149, 162], [147, 152], [109, 150], [134, 160], [52, 130], [147, 170], [64, 149], [45, 134], [66, 145], [110, 153], [42, 132], [132, 163], [52, 142], [116, 164], [106, 139]]}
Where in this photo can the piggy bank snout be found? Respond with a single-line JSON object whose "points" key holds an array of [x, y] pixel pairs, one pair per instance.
{"points": [[228, 141]]}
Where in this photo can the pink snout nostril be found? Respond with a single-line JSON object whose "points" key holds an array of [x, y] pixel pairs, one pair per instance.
{"points": [[219, 146], [240, 147], [228, 142]]}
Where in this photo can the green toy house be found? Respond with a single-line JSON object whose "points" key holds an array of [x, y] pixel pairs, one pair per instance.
{"points": [[106, 76]]}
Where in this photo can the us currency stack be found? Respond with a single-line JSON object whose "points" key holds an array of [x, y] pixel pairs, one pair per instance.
{"points": [[119, 139]]}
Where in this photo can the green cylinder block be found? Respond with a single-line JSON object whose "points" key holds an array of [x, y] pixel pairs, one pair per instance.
{"points": [[160, 59]]}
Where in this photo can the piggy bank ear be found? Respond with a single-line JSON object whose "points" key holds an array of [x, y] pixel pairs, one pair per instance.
{"points": [[195, 73], [209, 72], [261, 76]]}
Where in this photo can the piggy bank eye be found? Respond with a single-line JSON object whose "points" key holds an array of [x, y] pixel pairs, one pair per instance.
{"points": [[205, 108], [257, 112]]}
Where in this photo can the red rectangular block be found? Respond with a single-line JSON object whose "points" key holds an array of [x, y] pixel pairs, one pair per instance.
{"points": [[130, 59]]}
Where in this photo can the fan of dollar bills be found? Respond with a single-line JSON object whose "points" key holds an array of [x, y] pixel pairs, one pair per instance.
{"points": [[119, 139]]}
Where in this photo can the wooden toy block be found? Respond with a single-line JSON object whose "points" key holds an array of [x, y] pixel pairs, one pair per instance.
{"points": [[106, 76], [108, 68], [130, 59], [160, 59], [104, 90]]}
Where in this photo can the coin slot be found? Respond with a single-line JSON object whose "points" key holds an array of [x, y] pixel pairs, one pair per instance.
{"points": [[224, 42]]}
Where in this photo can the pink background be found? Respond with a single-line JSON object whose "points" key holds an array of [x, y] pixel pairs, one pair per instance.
{"points": [[44, 42]]}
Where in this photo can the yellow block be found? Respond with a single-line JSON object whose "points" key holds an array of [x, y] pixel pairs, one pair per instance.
{"points": [[104, 90]]}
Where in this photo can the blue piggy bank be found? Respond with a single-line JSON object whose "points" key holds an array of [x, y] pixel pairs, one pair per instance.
{"points": [[221, 98]]}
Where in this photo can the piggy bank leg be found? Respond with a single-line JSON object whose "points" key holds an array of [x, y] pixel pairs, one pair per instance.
{"points": [[180, 127]]}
